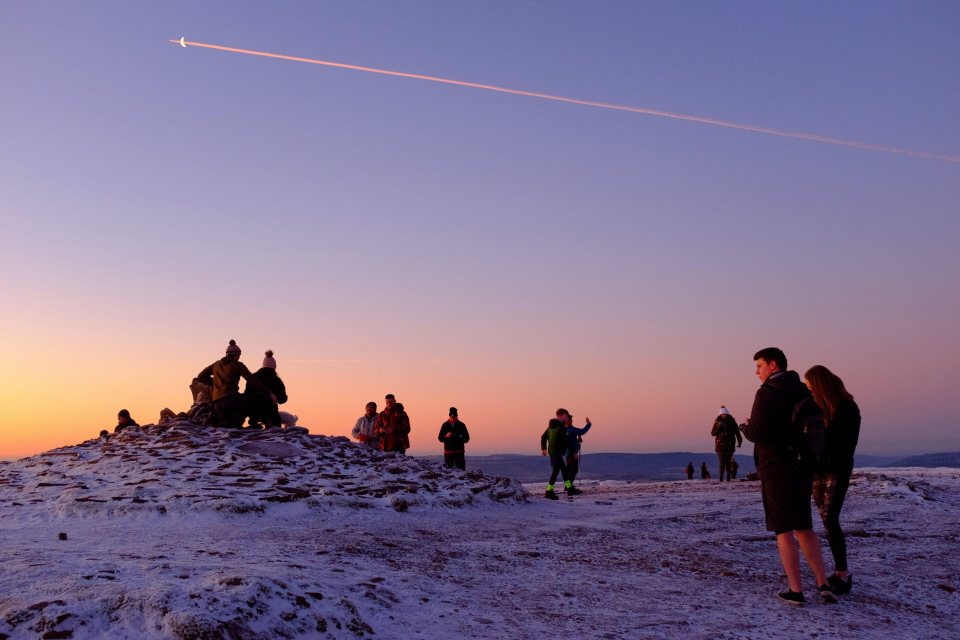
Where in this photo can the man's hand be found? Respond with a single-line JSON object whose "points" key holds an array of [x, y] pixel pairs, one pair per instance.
{"points": [[543, 452]]}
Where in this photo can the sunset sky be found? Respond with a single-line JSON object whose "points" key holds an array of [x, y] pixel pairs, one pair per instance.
{"points": [[503, 254]]}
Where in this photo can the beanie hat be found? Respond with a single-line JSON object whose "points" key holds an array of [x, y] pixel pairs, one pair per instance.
{"points": [[724, 411], [453, 412], [269, 362], [233, 349]]}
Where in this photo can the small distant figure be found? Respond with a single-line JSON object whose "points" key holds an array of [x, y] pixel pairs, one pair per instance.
{"points": [[262, 399], [393, 426], [689, 471], [224, 377], [727, 438], [704, 472], [574, 438], [785, 485], [363, 431], [831, 478], [454, 435], [553, 442], [124, 420], [734, 467]]}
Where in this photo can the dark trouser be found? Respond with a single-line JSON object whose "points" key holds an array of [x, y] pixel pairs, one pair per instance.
{"points": [[263, 410], [232, 411], [456, 459], [573, 466], [724, 458], [558, 467], [829, 490]]}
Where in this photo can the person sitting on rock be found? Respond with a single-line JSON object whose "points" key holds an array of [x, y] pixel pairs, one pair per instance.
{"points": [[263, 405], [224, 376], [124, 420]]}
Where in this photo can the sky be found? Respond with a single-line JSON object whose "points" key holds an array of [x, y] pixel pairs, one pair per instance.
{"points": [[502, 254]]}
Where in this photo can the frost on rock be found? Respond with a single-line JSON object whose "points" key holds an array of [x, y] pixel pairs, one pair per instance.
{"points": [[183, 466]]}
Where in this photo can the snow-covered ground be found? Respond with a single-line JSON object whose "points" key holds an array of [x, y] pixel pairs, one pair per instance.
{"points": [[190, 533]]}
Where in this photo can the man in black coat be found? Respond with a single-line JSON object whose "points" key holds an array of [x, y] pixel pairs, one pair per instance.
{"points": [[454, 435], [785, 486], [727, 438]]}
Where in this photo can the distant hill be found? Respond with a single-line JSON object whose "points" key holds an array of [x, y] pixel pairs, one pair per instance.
{"points": [[945, 459], [606, 466]]}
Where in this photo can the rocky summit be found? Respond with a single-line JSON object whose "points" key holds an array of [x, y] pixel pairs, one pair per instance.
{"points": [[182, 466]]}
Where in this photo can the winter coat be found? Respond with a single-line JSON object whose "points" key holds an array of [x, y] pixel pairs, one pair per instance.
{"points": [[270, 382], [769, 425], [393, 428], [554, 440], [363, 430], [841, 434], [224, 376], [459, 436], [573, 437], [727, 435]]}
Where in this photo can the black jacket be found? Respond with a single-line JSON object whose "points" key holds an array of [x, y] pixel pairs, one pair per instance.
{"points": [[842, 434], [270, 380], [460, 437], [769, 423], [726, 432]]}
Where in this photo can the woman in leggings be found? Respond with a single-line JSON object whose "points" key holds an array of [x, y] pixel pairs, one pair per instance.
{"points": [[832, 478]]}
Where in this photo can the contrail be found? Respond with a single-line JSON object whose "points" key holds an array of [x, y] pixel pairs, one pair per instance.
{"points": [[798, 135]]}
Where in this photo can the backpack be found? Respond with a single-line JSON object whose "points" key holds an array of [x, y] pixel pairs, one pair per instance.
{"points": [[807, 434]]}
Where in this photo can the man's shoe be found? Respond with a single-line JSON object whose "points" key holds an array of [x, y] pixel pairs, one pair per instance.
{"points": [[840, 586], [827, 594], [791, 597], [551, 495], [573, 491]]}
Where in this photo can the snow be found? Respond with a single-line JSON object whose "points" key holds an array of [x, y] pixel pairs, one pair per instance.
{"points": [[180, 531]]}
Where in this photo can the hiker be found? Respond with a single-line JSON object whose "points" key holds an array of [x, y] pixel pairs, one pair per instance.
{"points": [[393, 426], [704, 472], [832, 476], [574, 438], [785, 483], [453, 435], [734, 467], [124, 420], [224, 376], [553, 442], [689, 471], [726, 438], [363, 429], [262, 405]]}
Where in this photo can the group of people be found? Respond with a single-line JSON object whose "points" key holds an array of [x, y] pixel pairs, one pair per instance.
{"points": [[388, 430], [733, 466], [787, 482], [561, 441], [259, 401]]}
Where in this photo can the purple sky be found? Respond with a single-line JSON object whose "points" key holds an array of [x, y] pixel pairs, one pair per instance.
{"points": [[458, 246]]}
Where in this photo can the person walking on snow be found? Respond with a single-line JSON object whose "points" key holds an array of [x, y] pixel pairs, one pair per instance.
{"points": [[727, 438], [363, 430], [704, 472], [689, 471], [453, 435], [553, 442], [574, 438]]}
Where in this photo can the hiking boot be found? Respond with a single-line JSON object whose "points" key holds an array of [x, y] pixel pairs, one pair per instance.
{"points": [[840, 586], [827, 594], [791, 597], [573, 491], [551, 495]]}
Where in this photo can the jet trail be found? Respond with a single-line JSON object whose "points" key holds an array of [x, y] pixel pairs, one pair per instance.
{"points": [[798, 135]]}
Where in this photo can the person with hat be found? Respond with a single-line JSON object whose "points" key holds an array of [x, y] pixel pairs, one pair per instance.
{"points": [[453, 435], [261, 406], [124, 420], [224, 376], [727, 438], [574, 438]]}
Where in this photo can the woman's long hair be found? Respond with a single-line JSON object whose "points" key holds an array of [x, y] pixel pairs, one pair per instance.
{"points": [[827, 389]]}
